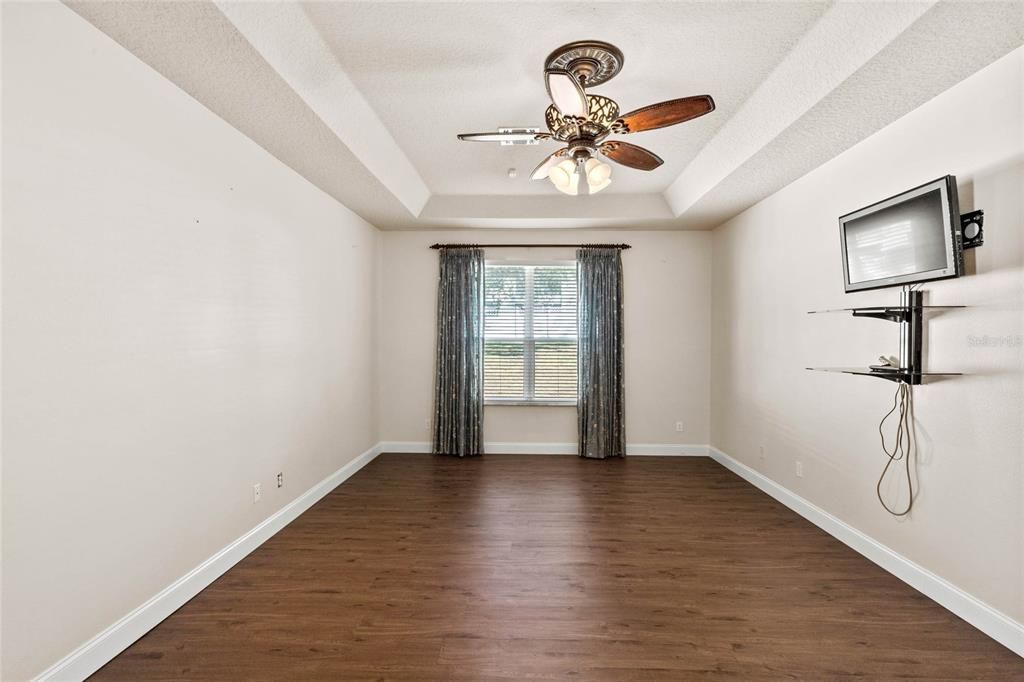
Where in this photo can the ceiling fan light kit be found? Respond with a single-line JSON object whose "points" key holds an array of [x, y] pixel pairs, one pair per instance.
{"points": [[567, 173], [583, 121]]}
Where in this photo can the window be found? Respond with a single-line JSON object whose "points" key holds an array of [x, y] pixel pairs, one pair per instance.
{"points": [[530, 333]]}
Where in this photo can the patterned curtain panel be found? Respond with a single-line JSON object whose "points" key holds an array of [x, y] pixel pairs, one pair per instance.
{"points": [[459, 391], [601, 406]]}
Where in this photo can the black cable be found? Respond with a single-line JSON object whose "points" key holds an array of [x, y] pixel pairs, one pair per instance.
{"points": [[901, 448]]}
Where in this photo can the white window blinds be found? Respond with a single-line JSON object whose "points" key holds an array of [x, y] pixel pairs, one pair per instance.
{"points": [[530, 333]]}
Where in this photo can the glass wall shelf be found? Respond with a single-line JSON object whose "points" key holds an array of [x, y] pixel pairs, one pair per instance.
{"points": [[909, 315], [890, 375]]}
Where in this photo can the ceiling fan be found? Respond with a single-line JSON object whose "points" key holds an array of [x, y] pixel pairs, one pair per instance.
{"points": [[583, 121]]}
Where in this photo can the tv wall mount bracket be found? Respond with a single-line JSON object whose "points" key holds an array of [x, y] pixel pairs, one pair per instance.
{"points": [[972, 229]]}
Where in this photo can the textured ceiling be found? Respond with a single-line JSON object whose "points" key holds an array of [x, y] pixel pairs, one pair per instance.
{"points": [[365, 98]]}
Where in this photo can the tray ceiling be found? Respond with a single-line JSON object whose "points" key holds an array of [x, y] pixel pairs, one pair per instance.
{"points": [[365, 98]]}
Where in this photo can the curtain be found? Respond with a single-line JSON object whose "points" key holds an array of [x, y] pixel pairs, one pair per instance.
{"points": [[600, 407], [459, 388]]}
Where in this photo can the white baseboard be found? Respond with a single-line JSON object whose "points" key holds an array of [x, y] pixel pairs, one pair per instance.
{"points": [[496, 448], [92, 655], [645, 449], [95, 653], [412, 446], [666, 450], [993, 623]]}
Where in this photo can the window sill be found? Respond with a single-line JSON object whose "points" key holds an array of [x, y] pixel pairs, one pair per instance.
{"points": [[530, 403]]}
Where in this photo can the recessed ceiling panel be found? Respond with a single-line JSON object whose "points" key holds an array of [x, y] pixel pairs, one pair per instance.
{"points": [[433, 70], [365, 99]]}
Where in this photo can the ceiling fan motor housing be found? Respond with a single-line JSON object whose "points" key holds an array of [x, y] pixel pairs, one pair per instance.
{"points": [[582, 148]]}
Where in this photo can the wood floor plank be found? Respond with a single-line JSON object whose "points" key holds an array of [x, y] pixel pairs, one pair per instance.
{"points": [[547, 568]]}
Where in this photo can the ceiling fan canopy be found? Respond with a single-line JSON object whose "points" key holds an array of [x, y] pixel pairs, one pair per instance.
{"points": [[583, 121]]}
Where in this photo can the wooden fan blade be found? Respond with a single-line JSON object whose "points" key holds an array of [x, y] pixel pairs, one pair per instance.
{"points": [[630, 155], [567, 93], [503, 137], [664, 114], [541, 171]]}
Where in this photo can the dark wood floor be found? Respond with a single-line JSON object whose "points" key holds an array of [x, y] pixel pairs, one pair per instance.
{"points": [[528, 567]]}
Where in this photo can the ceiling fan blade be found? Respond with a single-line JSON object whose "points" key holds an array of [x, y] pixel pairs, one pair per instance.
{"points": [[567, 93], [630, 155], [503, 137], [664, 114], [541, 171]]}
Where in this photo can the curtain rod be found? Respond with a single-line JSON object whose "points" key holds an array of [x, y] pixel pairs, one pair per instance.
{"points": [[529, 246]]}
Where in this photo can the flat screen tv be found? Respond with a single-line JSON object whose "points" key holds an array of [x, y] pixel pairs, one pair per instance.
{"points": [[911, 237]]}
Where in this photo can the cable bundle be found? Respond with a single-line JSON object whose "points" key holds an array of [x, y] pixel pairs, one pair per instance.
{"points": [[901, 403]]}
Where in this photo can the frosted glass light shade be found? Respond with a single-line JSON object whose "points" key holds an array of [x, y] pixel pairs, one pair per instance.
{"points": [[596, 187], [558, 176], [599, 175], [599, 172], [564, 177]]}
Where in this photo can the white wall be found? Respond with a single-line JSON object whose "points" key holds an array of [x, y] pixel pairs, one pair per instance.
{"points": [[666, 281], [183, 317], [781, 258]]}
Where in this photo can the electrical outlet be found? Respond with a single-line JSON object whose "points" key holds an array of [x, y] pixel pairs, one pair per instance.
{"points": [[280, 479], [800, 469], [257, 493], [762, 452], [679, 427]]}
